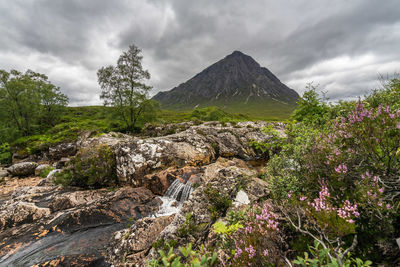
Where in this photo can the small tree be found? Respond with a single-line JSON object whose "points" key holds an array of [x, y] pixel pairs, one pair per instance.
{"points": [[311, 108], [27, 101], [123, 87]]}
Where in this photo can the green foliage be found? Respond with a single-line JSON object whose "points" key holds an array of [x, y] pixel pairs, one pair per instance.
{"points": [[46, 172], [274, 143], [353, 151], [215, 114], [283, 172], [221, 228], [189, 257], [5, 154], [188, 227], [322, 257], [310, 108], [219, 203], [389, 94], [94, 167], [29, 103], [123, 88]]}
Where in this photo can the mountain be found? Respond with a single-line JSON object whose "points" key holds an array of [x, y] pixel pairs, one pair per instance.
{"points": [[236, 83]]}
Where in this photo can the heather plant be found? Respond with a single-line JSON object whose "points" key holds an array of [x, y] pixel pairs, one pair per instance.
{"points": [[255, 243], [340, 179]]}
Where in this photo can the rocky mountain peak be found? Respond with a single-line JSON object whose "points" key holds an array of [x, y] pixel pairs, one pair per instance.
{"points": [[237, 78]]}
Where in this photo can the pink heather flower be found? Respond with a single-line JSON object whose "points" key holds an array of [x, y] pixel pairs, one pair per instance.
{"points": [[249, 229], [303, 198], [387, 109], [388, 206], [265, 252], [392, 116], [350, 221], [398, 126], [251, 251], [381, 189], [290, 194], [341, 168], [380, 204], [239, 251]]}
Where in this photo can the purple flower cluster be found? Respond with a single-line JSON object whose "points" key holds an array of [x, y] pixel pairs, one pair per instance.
{"points": [[259, 226]]}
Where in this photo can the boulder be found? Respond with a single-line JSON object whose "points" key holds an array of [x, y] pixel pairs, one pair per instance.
{"points": [[62, 150], [40, 168], [134, 243], [22, 169]]}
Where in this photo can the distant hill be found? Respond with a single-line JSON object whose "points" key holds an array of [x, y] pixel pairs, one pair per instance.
{"points": [[236, 83]]}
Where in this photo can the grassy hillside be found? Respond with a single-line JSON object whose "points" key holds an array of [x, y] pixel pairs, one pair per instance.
{"points": [[256, 110]]}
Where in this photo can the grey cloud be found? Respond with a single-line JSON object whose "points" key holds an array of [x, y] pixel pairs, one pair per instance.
{"points": [[297, 40]]}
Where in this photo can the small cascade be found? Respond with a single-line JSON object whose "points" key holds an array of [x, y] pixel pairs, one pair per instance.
{"points": [[187, 189], [175, 195], [175, 189]]}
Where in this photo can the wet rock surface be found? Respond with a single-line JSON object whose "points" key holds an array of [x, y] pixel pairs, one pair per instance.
{"points": [[40, 224]]}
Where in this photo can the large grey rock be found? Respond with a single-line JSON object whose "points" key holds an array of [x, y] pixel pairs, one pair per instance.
{"points": [[23, 169], [62, 150], [132, 244]]}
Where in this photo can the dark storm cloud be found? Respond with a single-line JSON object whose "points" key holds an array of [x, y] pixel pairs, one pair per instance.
{"points": [[342, 45]]}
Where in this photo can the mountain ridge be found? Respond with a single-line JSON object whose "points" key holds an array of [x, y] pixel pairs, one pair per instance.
{"points": [[237, 80]]}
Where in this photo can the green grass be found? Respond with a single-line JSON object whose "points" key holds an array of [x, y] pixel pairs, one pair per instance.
{"points": [[100, 119], [256, 110]]}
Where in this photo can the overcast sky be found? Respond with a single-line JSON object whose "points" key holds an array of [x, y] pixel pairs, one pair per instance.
{"points": [[341, 45]]}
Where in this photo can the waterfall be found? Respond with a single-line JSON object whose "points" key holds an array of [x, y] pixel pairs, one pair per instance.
{"points": [[175, 195], [187, 189], [179, 191]]}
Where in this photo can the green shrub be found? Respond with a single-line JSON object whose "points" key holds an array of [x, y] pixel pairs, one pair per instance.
{"points": [[5, 154], [219, 203], [322, 257], [45, 172], [188, 258], [188, 227], [91, 167]]}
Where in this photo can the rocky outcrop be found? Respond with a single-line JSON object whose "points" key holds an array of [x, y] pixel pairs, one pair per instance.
{"points": [[62, 150], [22, 169], [196, 146], [132, 244], [38, 224]]}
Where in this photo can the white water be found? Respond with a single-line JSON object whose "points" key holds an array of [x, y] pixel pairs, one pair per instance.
{"points": [[168, 207], [52, 172], [175, 195]]}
